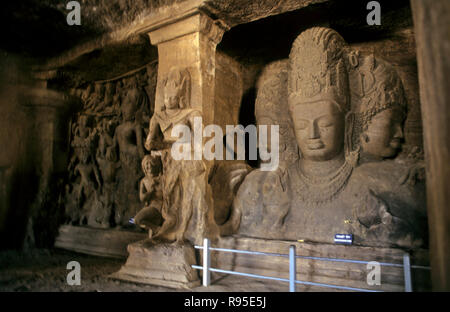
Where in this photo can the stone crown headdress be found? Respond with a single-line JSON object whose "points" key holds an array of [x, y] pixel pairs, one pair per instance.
{"points": [[182, 79], [317, 69], [377, 87], [272, 91], [271, 102]]}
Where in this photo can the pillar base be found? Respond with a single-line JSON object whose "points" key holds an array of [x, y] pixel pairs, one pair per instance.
{"points": [[161, 264], [109, 243]]}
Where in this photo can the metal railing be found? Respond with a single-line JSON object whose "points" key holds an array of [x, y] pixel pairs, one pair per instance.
{"points": [[206, 267]]}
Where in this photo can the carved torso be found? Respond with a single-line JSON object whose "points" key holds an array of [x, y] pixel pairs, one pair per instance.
{"points": [[167, 121], [127, 137]]}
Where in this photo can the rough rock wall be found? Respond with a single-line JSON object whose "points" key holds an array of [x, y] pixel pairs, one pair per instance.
{"points": [[13, 158], [32, 155]]}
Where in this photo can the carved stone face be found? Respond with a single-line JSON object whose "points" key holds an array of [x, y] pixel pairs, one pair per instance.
{"points": [[151, 166], [384, 135], [319, 129], [127, 112], [172, 93], [147, 168]]}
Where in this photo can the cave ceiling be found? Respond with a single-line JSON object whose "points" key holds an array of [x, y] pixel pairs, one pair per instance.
{"points": [[37, 30]]}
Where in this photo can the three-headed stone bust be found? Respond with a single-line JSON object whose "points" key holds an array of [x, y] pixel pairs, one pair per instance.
{"points": [[323, 192]]}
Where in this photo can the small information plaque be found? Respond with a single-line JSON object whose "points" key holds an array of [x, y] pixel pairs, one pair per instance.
{"points": [[346, 239]]}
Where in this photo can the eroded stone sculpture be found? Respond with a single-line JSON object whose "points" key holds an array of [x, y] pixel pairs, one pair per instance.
{"points": [[89, 184], [109, 134], [252, 204], [379, 107], [94, 101], [150, 193], [396, 182], [182, 178], [326, 191], [109, 165]]}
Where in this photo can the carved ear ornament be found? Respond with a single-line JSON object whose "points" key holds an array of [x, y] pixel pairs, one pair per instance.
{"points": [[353, 59]]}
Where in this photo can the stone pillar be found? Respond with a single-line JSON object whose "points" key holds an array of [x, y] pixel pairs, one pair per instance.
{"points": [[190, 43], [432, 29], [48, 145], [186, 41], [33, 140]]}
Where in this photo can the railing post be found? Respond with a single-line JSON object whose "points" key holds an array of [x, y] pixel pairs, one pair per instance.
{"points": [[407, 272], [206, 263], [292, 268]]}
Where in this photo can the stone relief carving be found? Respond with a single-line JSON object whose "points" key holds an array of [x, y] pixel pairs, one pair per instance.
{"points": [[150, 193], [252, 204], [182, 180], [271, 108], [340, 116], [396, 182], [347, 114], [318, 97], [108, 145], [379, 106]]}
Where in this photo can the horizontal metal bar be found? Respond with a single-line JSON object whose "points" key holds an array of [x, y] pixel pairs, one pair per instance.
{"points": [[198, 267], [336, 286], [362, 262], [247, 252], [243, 274], [348, 261], [420, 267]]}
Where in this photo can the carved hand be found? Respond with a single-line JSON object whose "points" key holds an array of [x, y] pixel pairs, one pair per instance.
{"points": [[237, 174]]}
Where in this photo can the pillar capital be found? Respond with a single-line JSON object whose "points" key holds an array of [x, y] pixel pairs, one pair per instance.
{"points": [[188, 41], [195, 22]]}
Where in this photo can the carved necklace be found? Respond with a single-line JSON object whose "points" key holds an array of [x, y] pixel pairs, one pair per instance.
{"points": [[320, 189]]}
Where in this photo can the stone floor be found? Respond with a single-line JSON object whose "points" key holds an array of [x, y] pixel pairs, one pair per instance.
{"points": [[45, 270]]}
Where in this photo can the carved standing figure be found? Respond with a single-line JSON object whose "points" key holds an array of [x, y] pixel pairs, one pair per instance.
{"points": [[117, 99], [84, 139], [90, 182], [94, 101], [182, 178], [150, 193], [108, 102], [129, 141], [109, 164], [128, 136], [86, 95]]}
